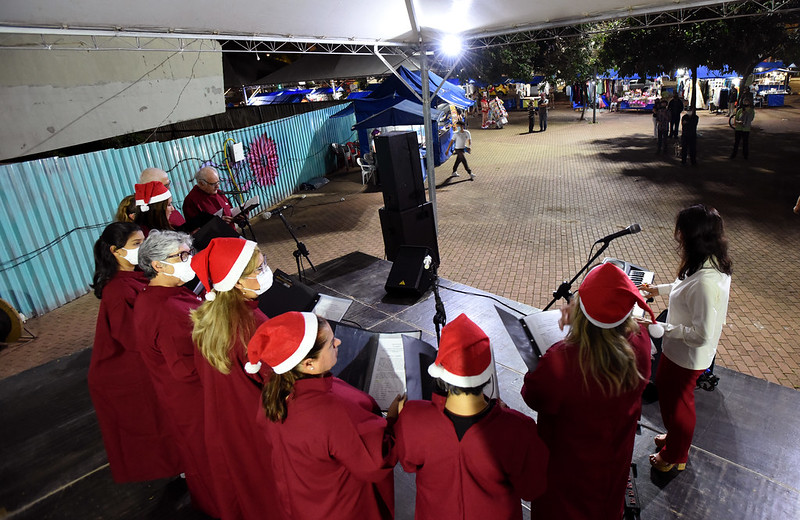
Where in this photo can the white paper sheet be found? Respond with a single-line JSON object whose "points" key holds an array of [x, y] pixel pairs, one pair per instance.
{"points": [[389, 371]]}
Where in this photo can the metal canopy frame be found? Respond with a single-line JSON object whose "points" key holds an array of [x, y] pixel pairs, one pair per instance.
{"points": [[119, 39]]}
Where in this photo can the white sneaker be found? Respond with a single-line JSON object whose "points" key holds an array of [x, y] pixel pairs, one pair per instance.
{"points": [[471, 176], [455, 174]]}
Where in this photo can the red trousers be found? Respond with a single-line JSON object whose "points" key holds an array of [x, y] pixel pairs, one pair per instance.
{"points": [[676, 398]]}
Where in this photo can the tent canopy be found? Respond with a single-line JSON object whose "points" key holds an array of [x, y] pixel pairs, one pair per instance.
{"points": [[449, 93], [403, 113], [363, 108]]}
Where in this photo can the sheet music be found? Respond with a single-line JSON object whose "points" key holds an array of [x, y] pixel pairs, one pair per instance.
{"points": [[543, 326], [218, 213], [389, 371], [331, 308], [251, 203]]}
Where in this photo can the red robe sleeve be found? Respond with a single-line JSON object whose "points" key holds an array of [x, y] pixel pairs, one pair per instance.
{"points": [[541, 387], [361, 443]]}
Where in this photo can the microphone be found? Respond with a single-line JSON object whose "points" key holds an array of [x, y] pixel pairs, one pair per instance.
{"points": [[630, 230], [268, 214]]}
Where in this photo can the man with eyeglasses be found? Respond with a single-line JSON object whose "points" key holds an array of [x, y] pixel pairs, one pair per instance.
{"points": [[206, 198], [176, 220]]}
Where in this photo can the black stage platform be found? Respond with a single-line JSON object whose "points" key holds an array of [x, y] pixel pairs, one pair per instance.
{"points": [[744, 463]]}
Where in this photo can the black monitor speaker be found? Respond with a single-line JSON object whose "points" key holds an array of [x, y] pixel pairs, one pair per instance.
{"points": [[408, 276]]}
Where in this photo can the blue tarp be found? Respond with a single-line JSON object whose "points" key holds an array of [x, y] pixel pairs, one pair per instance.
{"points": [[613, 74], [363, 108], [770, 65], [535, 80], [706, 73], [402, 113], [449, 93], [358, 94], [275, 98]]}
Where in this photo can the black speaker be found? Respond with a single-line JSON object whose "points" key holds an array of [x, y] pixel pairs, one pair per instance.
{"points": [[408, 275], [287, 294], [401, 171], [412, 227]]}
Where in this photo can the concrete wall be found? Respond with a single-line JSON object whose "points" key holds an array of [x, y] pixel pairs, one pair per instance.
{"points": [[55, 98]]}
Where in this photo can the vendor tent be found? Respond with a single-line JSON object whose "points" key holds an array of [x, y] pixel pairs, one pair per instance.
{"points": [[406, 113], [449, 93]]}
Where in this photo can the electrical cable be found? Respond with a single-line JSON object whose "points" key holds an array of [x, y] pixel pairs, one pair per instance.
{"points": [[27, 257], [484, 296]]}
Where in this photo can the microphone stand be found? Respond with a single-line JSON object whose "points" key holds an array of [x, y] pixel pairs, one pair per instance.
{"points": [[565, 289], [440, 317], [301, 250]]}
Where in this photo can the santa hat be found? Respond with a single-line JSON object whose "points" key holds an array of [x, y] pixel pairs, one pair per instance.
{"points": [[465, 356], [150, 192], [220, 265], [608, 296], [282, 342]]}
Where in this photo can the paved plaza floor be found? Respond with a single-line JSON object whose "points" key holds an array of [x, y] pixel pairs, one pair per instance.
{"points": [[536, 206]]}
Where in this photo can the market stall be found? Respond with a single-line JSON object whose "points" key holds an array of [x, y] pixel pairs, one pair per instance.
{"points": [[770, 82]]}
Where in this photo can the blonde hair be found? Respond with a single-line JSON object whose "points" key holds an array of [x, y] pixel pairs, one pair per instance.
{"points": [[126, 208], [220, 323], [605, 355]]}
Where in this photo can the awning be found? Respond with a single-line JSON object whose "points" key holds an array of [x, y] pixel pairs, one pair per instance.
{"points": [[403, 113], [449, 93]]}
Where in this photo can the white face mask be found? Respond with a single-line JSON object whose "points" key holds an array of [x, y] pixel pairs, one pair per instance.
{"points": [[132, 255], [264, 281], [182, 270]]}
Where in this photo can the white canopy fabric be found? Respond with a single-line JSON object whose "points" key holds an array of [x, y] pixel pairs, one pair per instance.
{"points": [[385, 22]]}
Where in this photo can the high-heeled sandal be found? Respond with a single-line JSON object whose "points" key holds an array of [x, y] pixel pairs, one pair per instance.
{"points": [[663, 466], [660, 441]]}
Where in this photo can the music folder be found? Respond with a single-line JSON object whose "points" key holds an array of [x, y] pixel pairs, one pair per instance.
{"points": [[533, 334], [384, 364]]}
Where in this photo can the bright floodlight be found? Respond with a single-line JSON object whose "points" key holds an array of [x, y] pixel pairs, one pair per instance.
{"points": [[451, 45]]}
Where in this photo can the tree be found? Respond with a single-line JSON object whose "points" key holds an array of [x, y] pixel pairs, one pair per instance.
{"points": [[496, 64]]}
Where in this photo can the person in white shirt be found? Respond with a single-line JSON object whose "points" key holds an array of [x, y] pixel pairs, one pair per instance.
{"points": [[463, 141], [698, 305]]}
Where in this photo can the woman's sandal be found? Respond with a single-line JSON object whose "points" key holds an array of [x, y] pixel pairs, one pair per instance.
{"points": [[660, 441], [660, 465]]}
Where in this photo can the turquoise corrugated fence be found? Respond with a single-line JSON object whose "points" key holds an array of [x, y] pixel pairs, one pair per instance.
{"points": [[54, 209]]}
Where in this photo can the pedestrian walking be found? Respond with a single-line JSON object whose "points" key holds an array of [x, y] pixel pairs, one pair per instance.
{"points": [[463, 143]]}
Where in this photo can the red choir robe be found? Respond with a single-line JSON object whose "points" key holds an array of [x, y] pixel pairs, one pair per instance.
{"points": [[333, 454], [240, 460], [590, 434], [198, 201], [499, 460], [164, 336], [137, 439], [176, 220]]}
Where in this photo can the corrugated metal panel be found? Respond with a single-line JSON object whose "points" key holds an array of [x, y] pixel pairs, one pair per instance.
{"points": [[54, 209]]}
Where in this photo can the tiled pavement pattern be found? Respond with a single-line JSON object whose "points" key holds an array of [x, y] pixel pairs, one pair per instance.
{"points": [[538, 203]]}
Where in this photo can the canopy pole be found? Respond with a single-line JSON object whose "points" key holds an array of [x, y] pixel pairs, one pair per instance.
{"points": [[397, 74], [426, 118]]}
